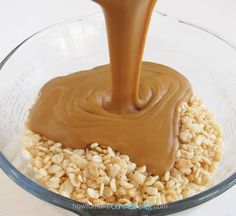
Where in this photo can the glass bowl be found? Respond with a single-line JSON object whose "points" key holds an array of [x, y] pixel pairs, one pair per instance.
{"points": [[207, 60]]}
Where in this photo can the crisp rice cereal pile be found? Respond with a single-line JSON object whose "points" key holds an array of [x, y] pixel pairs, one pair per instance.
{"points": [[99, 175]]}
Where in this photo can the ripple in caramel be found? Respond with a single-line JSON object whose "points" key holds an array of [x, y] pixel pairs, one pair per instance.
{"points": [[128, 105]]}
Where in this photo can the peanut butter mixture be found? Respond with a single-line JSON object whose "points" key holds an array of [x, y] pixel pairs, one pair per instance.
{"points": [[129, 105]]}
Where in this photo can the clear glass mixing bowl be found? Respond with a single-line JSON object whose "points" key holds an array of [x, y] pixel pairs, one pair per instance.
{"points": [[207, 60]]}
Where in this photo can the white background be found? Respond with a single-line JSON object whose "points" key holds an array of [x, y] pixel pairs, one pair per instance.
{"points": [[21, 18]]}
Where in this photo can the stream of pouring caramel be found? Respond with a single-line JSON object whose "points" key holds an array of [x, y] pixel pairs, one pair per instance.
{"points": [[129, 105]]}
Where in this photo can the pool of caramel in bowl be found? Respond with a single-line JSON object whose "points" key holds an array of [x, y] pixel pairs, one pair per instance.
{"points": [[129, 105]]}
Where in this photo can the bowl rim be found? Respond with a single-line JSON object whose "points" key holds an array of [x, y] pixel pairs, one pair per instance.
{"points": [[78, 207]]}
